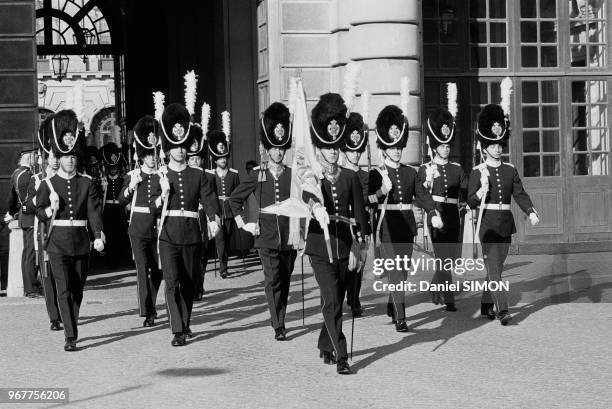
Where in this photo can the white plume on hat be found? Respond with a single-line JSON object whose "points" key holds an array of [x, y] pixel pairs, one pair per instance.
{"points": [[226, 125], [191, 82], [158, 103], [506, 92], [404, 95], [451, 95], [349, 89], [292, 95], [205, 120], [365, 106]]}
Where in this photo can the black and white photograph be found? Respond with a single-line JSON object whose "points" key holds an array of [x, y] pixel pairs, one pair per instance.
{"points": [[305, 204]]}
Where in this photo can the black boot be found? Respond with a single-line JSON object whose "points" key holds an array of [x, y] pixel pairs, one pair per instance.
{"points": [[342, 367], [450, 306], [328, 357], [486, 309], [401, 326], [56, 326], [178, 340], [505, 317], [70, 345]]}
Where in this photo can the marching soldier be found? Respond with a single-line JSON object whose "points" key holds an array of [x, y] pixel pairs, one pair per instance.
{"points": [[446, 183], [112, 212], [68, 202], [196, 154], [51, 164], [17, 209], [183, 188], [139, 187], [271, 185], [354, 145], [492, 184], [342, 192], [226, 180], [392, 189], [92, 167]]}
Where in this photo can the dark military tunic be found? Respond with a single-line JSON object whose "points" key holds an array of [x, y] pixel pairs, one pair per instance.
{"points": [[142, 230], [115, 220], [497, 225], [277, 257]]}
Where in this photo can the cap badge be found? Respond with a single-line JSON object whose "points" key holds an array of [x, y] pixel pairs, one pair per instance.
{"points": [[195, 146], [355, 137], [69, 139], [221, 147], [279, 132], [114, 157], [496, 129], [151, 139], [333, 129], [445, 130], [394, 132], [178, 130]]}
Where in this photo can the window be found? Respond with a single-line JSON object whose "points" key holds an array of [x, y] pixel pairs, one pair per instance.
{"points": [[587, 33], [441, 34], [539, 39], [590, 130], [541, 132], [481, 94], [488, 34]]}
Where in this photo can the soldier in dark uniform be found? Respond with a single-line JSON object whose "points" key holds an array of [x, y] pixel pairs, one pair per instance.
{"points": [[342, 199], [446, 183], [195, 155], [497, 182], [271, 185], [183, 188], [355, 143], [51, 164], [226, 180], [139, 187], [392, 189], [113, 213], [17, 209], [92, 166], [68, 202]]}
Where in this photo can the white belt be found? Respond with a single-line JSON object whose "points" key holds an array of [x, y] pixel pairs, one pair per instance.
{"points": [[112, 202], [70, 223], [181, 213], [141, 209], [222, 197], [491, 206], [396, 206], [443, 199]]}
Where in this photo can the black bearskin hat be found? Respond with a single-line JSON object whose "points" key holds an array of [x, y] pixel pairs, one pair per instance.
{"points": [[92, 155], [66, 138], [217, 144], [145, 136], [111, 155], [175, 127], [275, 128], [44, 135], [355, 137], [328, 121], [440, 128], [391, 128], [493, 126], [197, 142]]}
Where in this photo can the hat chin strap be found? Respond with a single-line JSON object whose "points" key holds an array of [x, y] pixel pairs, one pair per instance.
{"points": [[491, 139], [391, 144], [323, 141], [179, 142], [66, 152], [436, 136], [282, 145]]}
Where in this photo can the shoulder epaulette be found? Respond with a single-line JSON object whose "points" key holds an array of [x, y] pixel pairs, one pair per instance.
{"points": [[211, 171], [233, 170], [256, 167], [415, 168], [509, 164], [455, 163], [197, 167], [85, 175]]}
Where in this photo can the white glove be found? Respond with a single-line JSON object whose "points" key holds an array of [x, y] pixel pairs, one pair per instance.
{"points": [[354, 256], [386, 185], [363, 254], [7, 217], [533, 218], [135, 179], [165, 185], [252, 228], [320, 215], [98, 245], [213, 226], [436, 222], [54, 199], [104, 183], [484, 178]]}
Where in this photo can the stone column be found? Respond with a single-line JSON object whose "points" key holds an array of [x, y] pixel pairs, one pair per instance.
{"points": [[14, 287], [385, 38]]}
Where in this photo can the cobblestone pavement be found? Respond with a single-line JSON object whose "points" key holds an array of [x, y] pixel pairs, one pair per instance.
{"points": [[556, 354]]}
